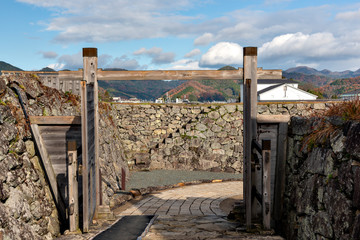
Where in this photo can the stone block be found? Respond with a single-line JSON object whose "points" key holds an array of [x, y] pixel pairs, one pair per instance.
{"points": [[352, 143], [214, 115], [322, 224], [319, 106], [200, 127], [356, 194], [230, 108], [216, 128], [300, 126]]}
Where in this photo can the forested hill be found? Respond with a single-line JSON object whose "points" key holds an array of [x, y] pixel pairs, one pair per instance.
{"points": [[339, 86], [4, 66]]}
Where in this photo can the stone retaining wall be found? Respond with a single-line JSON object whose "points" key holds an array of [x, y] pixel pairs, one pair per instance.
{"points": [[191, 137], [27, 209], [322, 196]]}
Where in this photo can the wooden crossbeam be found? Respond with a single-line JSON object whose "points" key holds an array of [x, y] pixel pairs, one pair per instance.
{"points": [[171, 75], [55, 120]]}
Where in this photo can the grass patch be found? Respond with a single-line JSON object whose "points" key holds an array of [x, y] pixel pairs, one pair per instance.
{"points": [[346, 110]]}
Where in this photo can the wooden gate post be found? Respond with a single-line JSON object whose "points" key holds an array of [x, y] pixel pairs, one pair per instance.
{"points": [[73, 186], [250, 125], [90, 140]]}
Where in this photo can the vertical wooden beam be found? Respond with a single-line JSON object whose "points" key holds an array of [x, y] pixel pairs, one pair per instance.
{"points": [[266, 196], [280, 172], [84, 140], [90, 78], [250, 125], [247, 152], [73, 186], [96, 135]]}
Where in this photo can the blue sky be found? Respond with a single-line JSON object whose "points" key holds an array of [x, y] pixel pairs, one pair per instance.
{"points": [[181, 34]]}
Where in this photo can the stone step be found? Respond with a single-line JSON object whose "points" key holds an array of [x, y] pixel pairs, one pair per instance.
{"points": [[105, 213]]}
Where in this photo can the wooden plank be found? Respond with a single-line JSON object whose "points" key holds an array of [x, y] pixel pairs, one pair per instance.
{"points": [[247, 152], [280, 172], [171, 75], [266, 203], [48, 169], [73, 187], [250, 76], [55, 120], [273, 118], [98, 191], [85, 179]]}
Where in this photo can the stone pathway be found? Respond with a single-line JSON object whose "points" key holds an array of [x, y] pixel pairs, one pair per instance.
{"points": [[197, 200], [191, 212]]}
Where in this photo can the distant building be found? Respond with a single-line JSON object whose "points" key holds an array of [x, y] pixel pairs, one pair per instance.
{"points": [[120, 100], [159, 100], [280, 90], [351, 95]]}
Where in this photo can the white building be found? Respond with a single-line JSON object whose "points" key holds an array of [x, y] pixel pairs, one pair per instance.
{"points": [[280, 90]]}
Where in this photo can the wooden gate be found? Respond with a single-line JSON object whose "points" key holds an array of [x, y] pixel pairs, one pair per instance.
{"points": [[90, 120], [263, 163]]}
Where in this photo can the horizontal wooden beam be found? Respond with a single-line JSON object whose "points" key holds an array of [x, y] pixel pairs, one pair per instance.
{"points": [[172, 75], [272, 118], [55, 120]]}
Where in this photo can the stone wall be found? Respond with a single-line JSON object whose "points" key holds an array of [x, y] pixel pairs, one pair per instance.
{"points": [[191, 137], [322, 197], [27, 209]]}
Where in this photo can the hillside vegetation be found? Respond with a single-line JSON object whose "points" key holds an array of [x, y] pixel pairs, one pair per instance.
{"points": [[339, 86]]}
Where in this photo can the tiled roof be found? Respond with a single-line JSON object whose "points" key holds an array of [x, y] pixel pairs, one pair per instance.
{"points": [[269, 88], [276, 81]]}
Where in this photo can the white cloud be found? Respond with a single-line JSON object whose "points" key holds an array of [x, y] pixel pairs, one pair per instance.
{"points": [[74, 61], [56, 66], [157, 55], [49, 55], [321, 45], [204, 39], [115, 20], [193, 53], [125, 63], [223, 53], [185, 64], [321, 49], [351, 15]]}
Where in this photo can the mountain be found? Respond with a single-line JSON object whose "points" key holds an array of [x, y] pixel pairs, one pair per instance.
{"points": [[324, 73], [302, 78], [146, 90], [339, 86], [47, 69], [8, 67], [206, 90]]}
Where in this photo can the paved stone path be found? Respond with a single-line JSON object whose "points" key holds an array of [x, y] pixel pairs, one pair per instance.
{"points": [[192, 212], [185, 213], [197, 200]]}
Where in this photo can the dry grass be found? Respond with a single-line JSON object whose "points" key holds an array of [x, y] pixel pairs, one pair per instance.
{"points": [[346, 110]]}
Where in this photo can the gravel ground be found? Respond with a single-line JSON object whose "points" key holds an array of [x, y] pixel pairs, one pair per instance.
{"points": [[158, 178]]}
